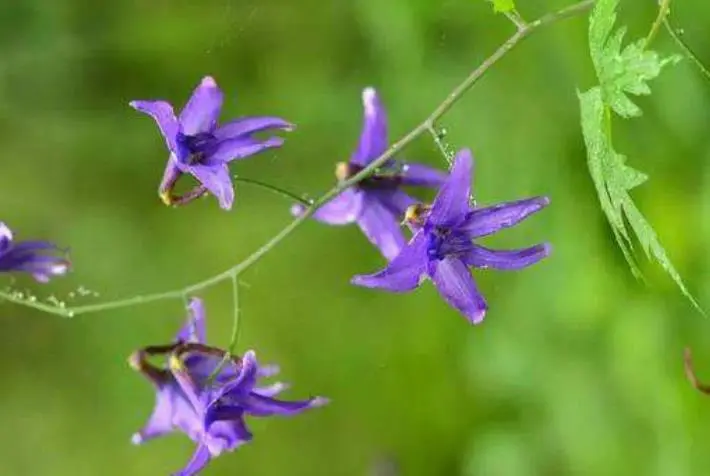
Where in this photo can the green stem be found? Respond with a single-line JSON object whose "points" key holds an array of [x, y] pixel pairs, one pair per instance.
{"points": [[686, 49], [427, 125], [663, 10], [274, 189]]}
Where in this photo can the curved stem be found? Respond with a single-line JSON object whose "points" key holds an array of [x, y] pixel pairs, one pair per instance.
{"points": [[686, 49], [274, 189], [663, 10], [425, 126]]}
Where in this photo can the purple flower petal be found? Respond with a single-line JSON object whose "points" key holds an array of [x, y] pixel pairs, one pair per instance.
{"points": [[342, 209], [271, 390], [397, 201], [194, 329], [233, 149], [419, 175], [404, 272], [163, 114], [216, 179], [373, 138], [170, 410], [486, 221], [452, 201], [202, 110], [381, 227], [481, 257], [227, 433], [199, 460], [245, 380], [456, 285], [247, 126], [171, 174], [259, 405], [5, 237]]}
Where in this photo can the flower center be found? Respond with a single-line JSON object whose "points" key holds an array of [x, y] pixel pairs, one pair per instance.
{"points": [[199, 145]]}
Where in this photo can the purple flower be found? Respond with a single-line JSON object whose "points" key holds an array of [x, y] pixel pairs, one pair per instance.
{"points": [[377, 203], [200, 147], [35, 257], [209, 409], [442, 248]]}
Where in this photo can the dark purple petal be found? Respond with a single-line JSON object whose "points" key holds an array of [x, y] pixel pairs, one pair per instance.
{"points": [[486, 221], [481, 257], [5, 237], [233, 149], [247, 126], [373, 137], [216, 179], [26, 257], [202, 110], [199, 460], [259, 405], [227, 434], [342, 209], [456, 285], [194, 329], [452, 201], [404, 272], [397, 201], [163, 114], [381, 227], [244, 382], [419, 175]]}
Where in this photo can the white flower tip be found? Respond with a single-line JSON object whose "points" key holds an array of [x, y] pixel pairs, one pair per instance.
{"points": [[137, 438], [546, 249], [544, 201], [208, 82], [369, 100], [60, 268], [5, 232], [477, 316], [319, 401]]}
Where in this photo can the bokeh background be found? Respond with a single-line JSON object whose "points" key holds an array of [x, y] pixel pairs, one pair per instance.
{"points": [[577, 369]]}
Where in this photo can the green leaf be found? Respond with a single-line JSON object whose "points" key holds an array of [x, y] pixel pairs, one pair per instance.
{"points": [[613, 180], [621, 72], [503, 6]]}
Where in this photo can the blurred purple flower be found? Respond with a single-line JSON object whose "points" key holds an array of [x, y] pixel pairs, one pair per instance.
{"points": [[377, 203], [442, 248], [209, 409], [202, 148], [39, 258]]}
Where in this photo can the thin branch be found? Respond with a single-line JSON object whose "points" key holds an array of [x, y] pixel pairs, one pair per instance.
{"points": [[663, 10], [427, 125], [686, 49], [274, 189]]}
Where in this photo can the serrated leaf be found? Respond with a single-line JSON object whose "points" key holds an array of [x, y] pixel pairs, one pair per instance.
{"points": [[503, 6], [613, 180], [621, 72]]}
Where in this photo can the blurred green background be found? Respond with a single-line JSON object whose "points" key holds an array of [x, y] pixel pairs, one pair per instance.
{"points": [[576, 370]]}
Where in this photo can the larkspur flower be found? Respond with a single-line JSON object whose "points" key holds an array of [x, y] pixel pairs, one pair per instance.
{"points": [[200, 147], [377, 204], [39, 258], [443, 246], [209, 409]]}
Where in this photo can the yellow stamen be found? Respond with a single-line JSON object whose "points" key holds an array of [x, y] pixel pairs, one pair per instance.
{"points": [[342, 171], [176, 364], [166, 197]]}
